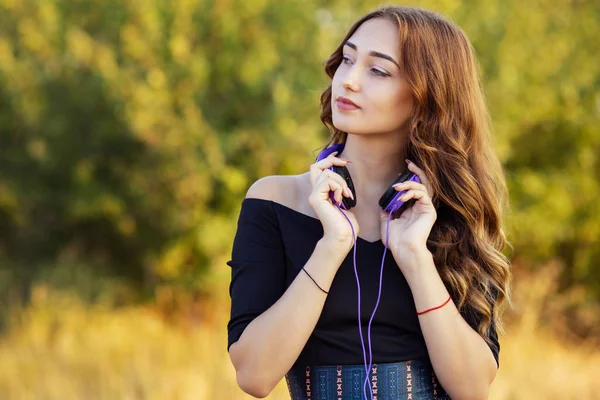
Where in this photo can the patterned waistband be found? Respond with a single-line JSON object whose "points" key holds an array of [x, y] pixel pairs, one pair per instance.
{"points": [[408, 380]]}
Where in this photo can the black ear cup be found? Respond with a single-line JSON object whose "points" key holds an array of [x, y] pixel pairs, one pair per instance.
{"points": [[387, 197], [389, 194], [345, 174]]}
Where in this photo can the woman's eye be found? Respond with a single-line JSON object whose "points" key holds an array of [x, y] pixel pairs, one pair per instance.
{"points": [[379, 73], [347, 60]]}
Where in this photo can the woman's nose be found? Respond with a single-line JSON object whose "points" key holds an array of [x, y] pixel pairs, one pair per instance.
{"points": [[351, 79]]}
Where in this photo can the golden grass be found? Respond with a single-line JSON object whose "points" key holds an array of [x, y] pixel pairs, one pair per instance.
{"points": [[60, 349]]}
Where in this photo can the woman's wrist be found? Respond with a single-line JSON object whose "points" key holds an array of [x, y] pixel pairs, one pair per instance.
{"points": [[410, 248], [339, 246], [414, 261], [325, 262]]}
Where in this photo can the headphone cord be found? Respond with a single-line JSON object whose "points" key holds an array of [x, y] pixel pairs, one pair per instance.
{"points": [[362, 342]]}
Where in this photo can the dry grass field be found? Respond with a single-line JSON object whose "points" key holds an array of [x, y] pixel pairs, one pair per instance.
{"points": [[60, 349]]}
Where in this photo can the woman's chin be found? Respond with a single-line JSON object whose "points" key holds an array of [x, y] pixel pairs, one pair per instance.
{"points": [[343, 124]]}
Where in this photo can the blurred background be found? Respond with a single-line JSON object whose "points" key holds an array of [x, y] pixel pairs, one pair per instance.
{"points": [[131, 130]]}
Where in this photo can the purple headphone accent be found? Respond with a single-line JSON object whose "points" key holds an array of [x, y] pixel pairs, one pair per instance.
{"points": [[395, 204], [392, 206], [324, 154]]}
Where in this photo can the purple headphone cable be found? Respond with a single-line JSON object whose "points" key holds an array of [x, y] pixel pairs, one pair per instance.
{"points": [[362, 342]]}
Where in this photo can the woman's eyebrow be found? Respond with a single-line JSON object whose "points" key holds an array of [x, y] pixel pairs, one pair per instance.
{"points": [[374, 53]]}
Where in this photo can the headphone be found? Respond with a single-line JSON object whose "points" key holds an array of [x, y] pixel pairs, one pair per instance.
{"points": [[390, 203]]}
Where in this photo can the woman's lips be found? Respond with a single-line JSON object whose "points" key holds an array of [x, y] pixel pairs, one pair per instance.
{"points": [[345, 104]]}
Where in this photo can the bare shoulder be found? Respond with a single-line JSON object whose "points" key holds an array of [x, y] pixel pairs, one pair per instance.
{"points": [[289, 190], [270, 187]]}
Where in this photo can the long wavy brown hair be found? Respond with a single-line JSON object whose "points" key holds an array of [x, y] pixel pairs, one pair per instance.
{"points": [[450, 139]]}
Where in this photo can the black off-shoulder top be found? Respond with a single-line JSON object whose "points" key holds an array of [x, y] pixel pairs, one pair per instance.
{"points": [[272, 244]]}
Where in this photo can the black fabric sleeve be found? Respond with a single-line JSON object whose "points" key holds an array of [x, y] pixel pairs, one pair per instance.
{"points": [[257, 265], [473, 318]]}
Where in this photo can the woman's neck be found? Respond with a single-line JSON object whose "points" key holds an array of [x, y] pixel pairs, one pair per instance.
{"points": [[376, 161]]}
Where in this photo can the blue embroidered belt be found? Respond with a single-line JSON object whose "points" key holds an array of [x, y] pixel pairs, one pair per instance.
{"points": [[408, 380]]}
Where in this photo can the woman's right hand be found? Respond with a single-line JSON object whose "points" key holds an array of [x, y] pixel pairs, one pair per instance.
{"points": [[335, 226]]}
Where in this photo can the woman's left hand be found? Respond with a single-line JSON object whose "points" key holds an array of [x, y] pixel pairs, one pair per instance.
{"points": [[409, 232]]}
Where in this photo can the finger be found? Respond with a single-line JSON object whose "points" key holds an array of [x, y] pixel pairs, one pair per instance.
{"points": [[383, 216], [328, 162], [421, 174], [420, 195], [331, 160], [336, 177], [318, 167], [314, 173], [402, 186], [326, 184]]}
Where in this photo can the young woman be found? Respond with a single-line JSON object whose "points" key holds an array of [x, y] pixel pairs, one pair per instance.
{"points": [[307, 274]]}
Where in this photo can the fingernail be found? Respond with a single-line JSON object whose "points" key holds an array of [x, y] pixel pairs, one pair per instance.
{"points": [[348, 161], [334, 153], [407, 161], [351, 195]]}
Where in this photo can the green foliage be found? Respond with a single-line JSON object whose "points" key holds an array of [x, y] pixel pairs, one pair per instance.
{"points": [[130, 131]]}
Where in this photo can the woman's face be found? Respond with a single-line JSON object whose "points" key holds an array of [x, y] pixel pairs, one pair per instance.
{"points": [[370, 77]]}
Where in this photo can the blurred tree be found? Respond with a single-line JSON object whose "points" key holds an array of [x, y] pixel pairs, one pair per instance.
{"points": [[130, 131]]}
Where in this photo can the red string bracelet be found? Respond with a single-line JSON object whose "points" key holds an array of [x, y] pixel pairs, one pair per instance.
{"points": [[435, 308]]}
